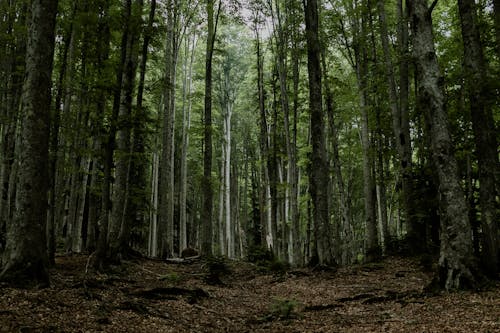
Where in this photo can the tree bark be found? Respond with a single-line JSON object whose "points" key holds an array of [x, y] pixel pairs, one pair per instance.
{"points": [[165, 241], [186, 124], [119, 225], [399, 111], [456, 260], [25, 257], [319, 178], [207, 191], [372, 248], [102, 250], [483, 126]]}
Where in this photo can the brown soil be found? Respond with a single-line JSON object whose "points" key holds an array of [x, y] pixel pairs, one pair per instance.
{"points": [[154, 296]]}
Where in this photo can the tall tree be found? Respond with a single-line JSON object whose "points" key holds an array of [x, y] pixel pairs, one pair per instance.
{"points": [[13, 68], [207, 191], [399, 111], [483, 125], [456, 257], [319, 178], [25, 257], [119, 227], [102, 249], [361, 66]]}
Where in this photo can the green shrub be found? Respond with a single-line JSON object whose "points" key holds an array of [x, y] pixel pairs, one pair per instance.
{"points": [[216, 267], [284, 309]]}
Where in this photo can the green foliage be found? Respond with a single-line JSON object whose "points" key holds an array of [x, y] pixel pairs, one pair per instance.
{"points": [[216, 267], [266, 260], [172, 278], [284, 309], [258, 254]]}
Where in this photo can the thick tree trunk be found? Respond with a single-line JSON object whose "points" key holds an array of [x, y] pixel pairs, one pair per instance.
{"points": [[319, 178], [25, 257], [483, 125], [456, 255]]}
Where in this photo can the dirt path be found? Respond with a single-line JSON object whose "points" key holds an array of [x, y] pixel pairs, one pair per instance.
{"points": [[152, 296]]}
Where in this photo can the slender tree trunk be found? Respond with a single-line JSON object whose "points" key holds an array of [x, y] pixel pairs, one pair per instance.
{"points": [[165, 241], [292, 195], [456, 254], [153, 220], [102, 250], [15, 54], [319, 178], [186, 123], [119, 225], [26, 241], [207, 191], [227, 181], [297, 253], [264, 150], [399, 111], [136, 208], [97, 214], [372, 248], [344, 207], [496, 13]]}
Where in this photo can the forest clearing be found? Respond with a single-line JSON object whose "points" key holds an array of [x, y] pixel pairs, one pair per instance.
{"points": [[155, 296]]}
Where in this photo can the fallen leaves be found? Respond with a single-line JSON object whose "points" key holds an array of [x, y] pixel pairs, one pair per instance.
{"points": [[144, 296]]}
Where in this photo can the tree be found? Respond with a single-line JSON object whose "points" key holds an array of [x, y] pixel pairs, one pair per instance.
{"points": [[207, 191], [25, 257], [456, 258], [319, 178], [399, 111], [483, 125], [120, 224]]}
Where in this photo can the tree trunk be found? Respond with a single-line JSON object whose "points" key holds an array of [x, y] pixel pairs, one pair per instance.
{"points": [[292, 191], [165, 241], [456, 259], [265, 217], [483, 125], [319, 178], [186, 124], [496, 13], [399, 111], [119, 225], [26, 234], [206, 185], [102, 250], [372, 248], [136, 208], [15, 54]]}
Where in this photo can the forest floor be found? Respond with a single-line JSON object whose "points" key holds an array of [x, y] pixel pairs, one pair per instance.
{"points": [[154, 296]]}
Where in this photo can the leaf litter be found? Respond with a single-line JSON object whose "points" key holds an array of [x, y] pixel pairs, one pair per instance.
{"points": [[154, 296]]}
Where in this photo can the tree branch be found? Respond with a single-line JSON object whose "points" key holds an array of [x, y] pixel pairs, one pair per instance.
{"points": [[431, 8]]}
